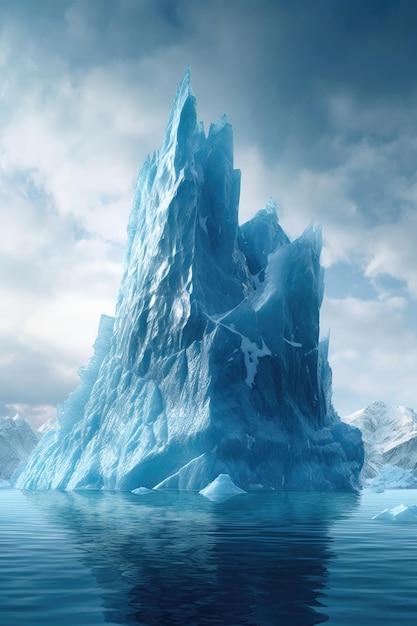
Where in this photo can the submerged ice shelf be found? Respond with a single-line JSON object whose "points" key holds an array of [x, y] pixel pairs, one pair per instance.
{"points": [[213, 363]]}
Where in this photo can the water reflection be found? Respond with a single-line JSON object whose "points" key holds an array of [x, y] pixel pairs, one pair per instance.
{"points": [[178, 559]]}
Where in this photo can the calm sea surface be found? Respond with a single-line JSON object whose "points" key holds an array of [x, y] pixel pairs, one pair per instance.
{"points": [[87, 558]]}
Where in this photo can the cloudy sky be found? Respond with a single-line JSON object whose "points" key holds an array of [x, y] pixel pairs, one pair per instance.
{"points": [[322, 97]]}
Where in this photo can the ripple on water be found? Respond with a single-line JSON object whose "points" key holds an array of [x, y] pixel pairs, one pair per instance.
{"points": [[290, 559]]}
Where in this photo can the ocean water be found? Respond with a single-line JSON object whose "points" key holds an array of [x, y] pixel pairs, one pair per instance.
{"points": [[262, 559]]}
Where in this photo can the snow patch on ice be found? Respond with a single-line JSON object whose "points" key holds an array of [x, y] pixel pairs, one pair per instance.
{"points": [[252, 353], [294, 344], [250, 349]]}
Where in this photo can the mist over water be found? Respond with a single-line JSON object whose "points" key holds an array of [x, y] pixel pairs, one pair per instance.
{"points": [[293, 558]]}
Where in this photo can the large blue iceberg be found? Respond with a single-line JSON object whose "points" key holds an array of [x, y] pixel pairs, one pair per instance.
{"points": [[212, 364]]}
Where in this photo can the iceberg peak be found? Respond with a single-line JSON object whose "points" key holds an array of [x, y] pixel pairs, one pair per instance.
{"points": [[221, 123], [181, 120], [271, 207]]}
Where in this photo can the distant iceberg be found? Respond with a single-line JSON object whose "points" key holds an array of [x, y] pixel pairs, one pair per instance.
{"points": [[213, 363], [401, 513], [394, 477]]}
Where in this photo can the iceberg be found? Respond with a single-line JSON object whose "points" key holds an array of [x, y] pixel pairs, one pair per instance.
{"points": [[213, 362], [221, 488], [143, 491], [401, 513], [394, 477]]}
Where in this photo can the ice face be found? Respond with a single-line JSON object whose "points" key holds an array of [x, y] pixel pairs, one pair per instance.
{"points": [[213, 363]]}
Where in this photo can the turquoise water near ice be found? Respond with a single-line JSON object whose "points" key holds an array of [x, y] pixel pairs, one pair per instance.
{"points": [[263, 559]]}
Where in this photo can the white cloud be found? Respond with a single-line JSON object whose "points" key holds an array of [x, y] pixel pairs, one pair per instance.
{"points": [[303, 197], [373, 348], [373, 352], [72, 143], [366, 200], [394, 251], [73, 138], [36, 415], [77, 140], [69, 157]]}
